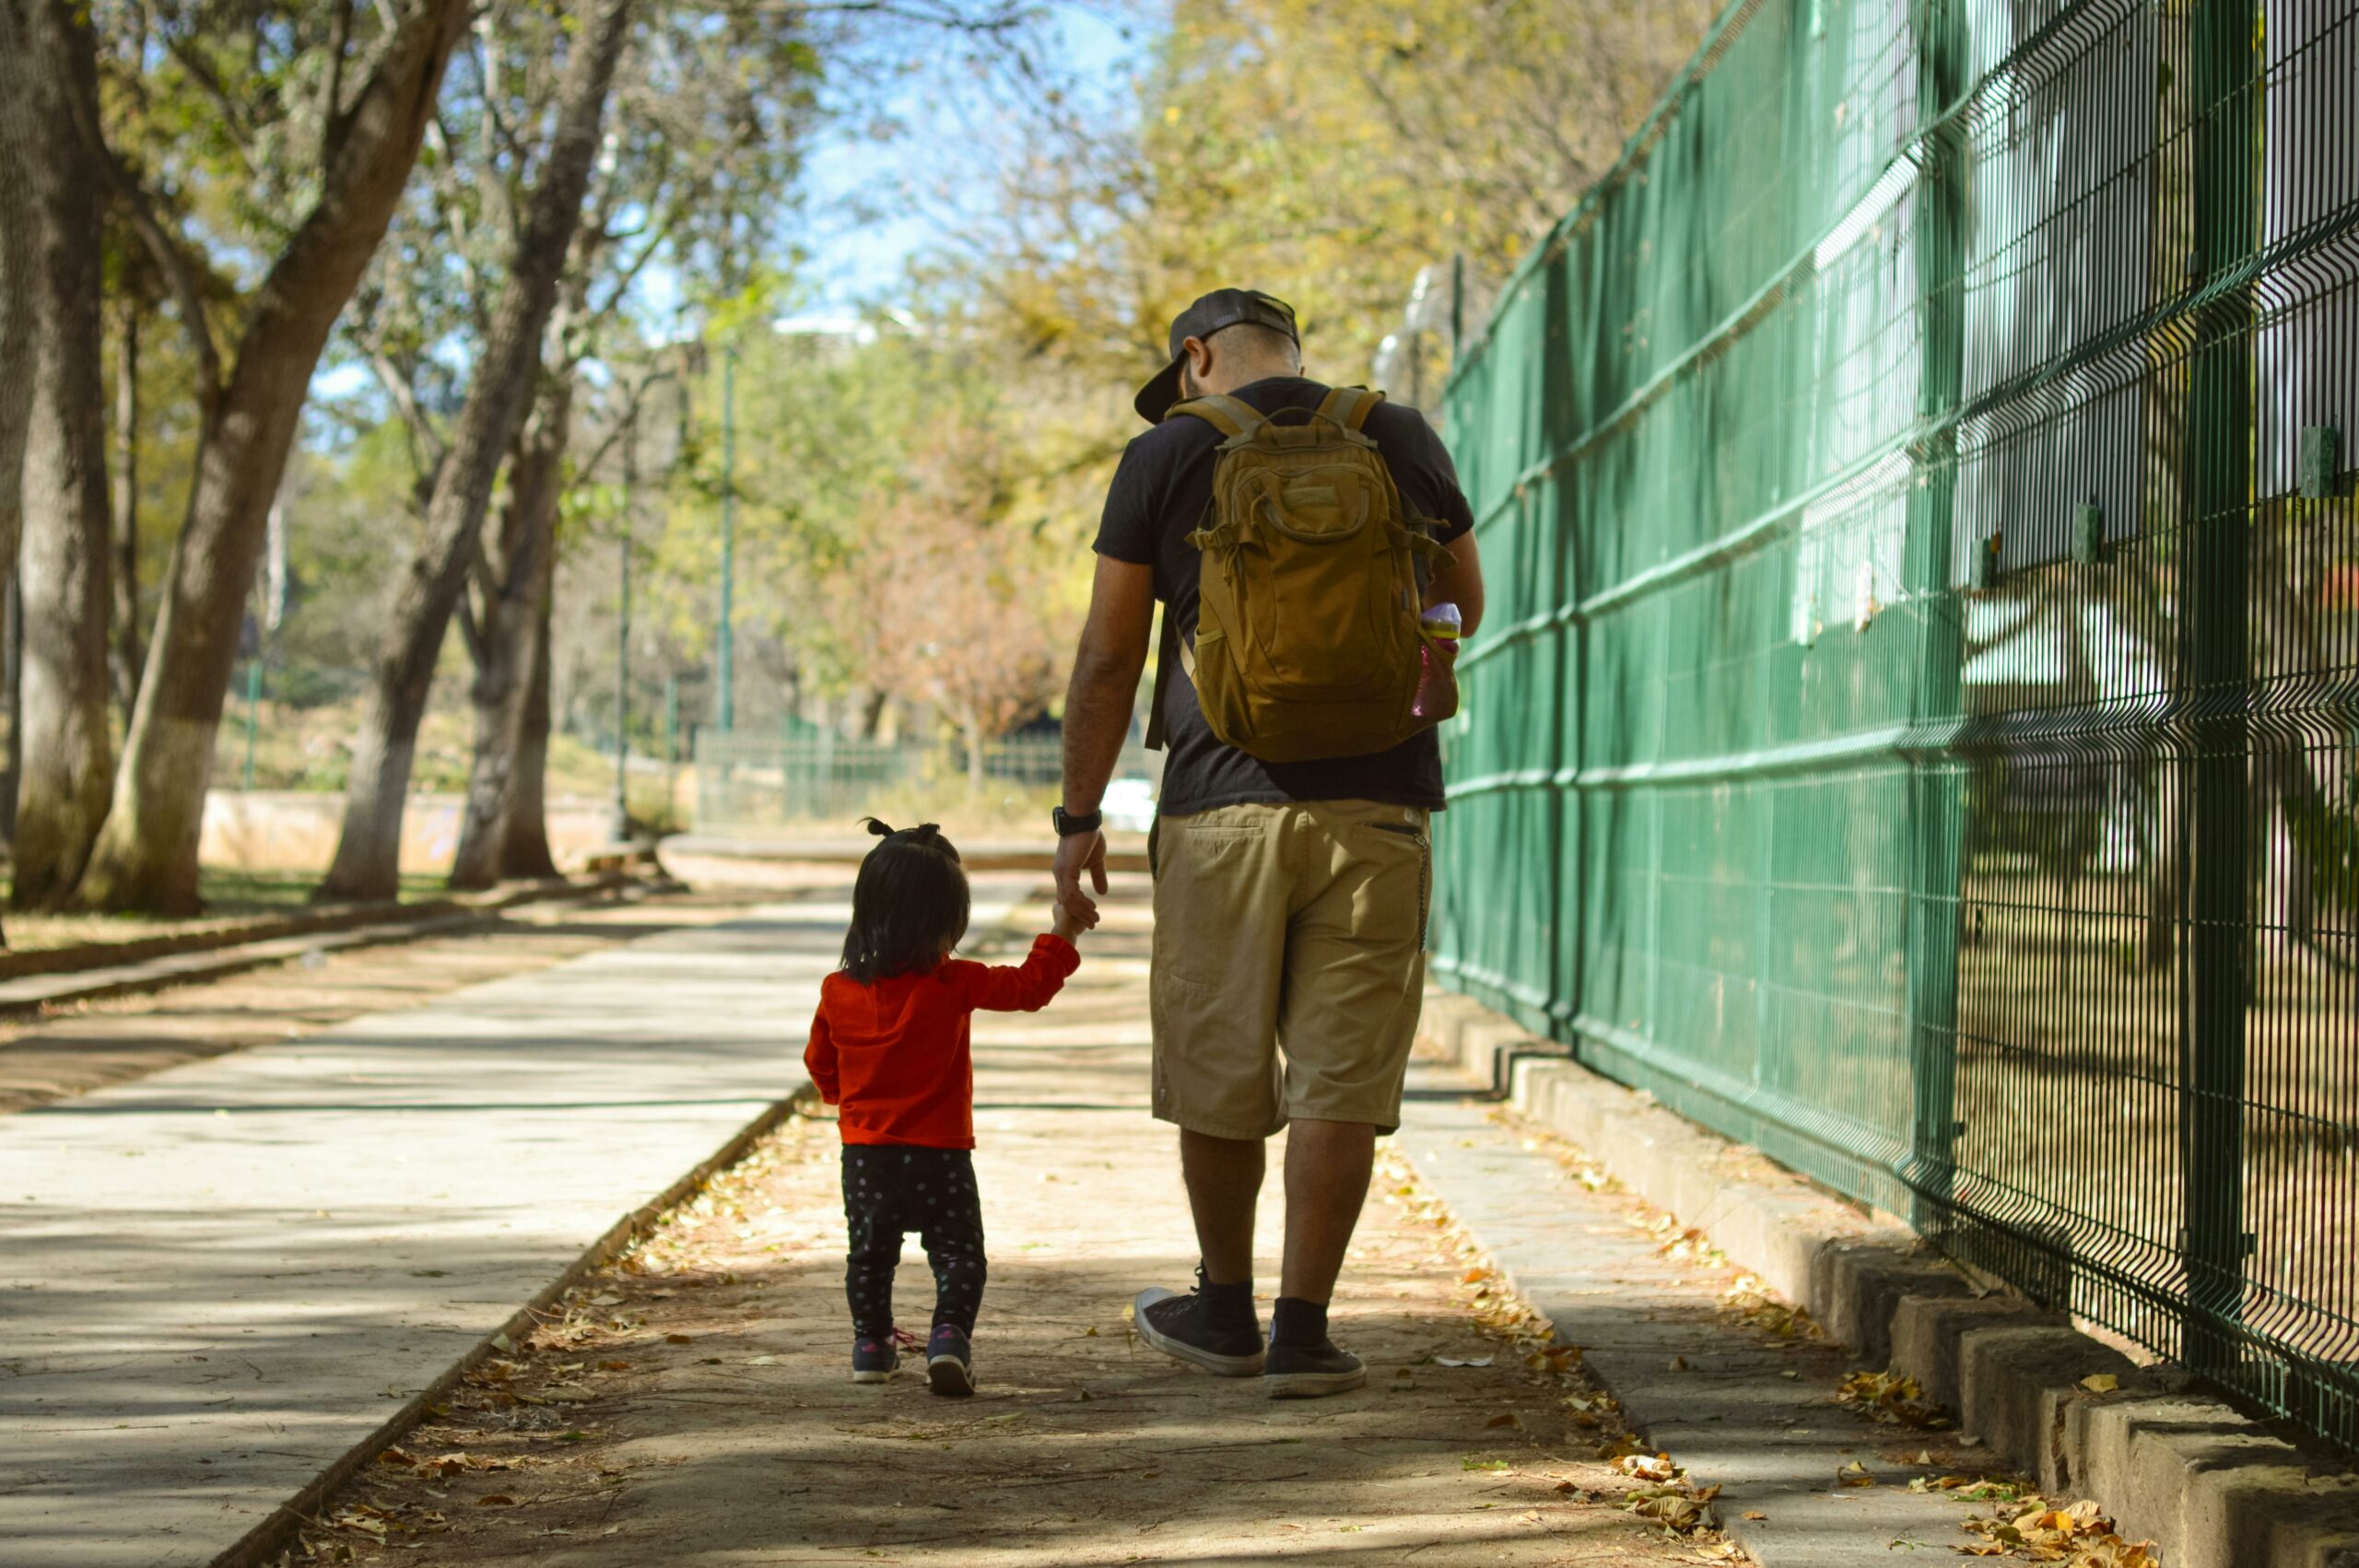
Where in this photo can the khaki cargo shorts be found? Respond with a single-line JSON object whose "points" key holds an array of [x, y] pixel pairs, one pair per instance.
{"points": [[1295, 928]]}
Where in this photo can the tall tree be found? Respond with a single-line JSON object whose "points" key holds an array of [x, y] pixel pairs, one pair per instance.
{"points": [[507, 627], [125, 657], [697, 169], [18, 123], [64, 550], [373, 82], [366, 863]]}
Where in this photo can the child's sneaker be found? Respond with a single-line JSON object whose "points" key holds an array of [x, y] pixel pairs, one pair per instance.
{"points": [[874, 1358], [950, 1362]]}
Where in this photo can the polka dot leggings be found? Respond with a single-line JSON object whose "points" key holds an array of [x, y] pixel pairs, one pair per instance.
{"points": [[890, 1191]]}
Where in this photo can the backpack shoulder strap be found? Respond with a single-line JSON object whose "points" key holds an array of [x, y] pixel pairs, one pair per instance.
{"points": [[1231, 418], [1350, 406]]}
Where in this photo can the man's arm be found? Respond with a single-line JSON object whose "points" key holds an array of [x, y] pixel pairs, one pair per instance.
{"points": [[1098, 714], [1458, 580]]}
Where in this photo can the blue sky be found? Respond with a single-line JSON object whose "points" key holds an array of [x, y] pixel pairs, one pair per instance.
{"points": [[854, 261], [857, 258]]}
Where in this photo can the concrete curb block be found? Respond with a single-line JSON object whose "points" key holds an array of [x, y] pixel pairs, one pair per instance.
{"points": [[2210, 1486], [24, 964], [170, 962], [267, 1539]]}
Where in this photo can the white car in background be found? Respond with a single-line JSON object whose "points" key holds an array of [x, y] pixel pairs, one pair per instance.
{"points": [[1129, 805]]}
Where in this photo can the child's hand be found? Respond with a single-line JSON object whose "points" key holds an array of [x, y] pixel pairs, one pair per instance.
{"points": [[1065, 924]]}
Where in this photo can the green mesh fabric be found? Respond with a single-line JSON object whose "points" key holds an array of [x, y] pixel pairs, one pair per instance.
{"points": [[1914, 728]]}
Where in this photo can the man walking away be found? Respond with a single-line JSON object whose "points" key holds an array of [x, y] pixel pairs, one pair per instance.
{"points": [[1290, 895]]}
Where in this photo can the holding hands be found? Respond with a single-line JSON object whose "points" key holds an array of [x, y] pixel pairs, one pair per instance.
{"points": [[1076, 853]]}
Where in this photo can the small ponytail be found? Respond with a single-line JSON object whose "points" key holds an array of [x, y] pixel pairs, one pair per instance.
{"points": [[910, 899], [926, 835]]}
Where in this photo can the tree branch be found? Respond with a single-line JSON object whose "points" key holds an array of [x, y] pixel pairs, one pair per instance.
{"points": [[423, 432], [201, 72], [630, 273], [332, 96], [179, 271], [472, 631]]}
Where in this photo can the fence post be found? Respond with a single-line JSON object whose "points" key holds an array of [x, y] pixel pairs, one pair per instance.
{"points": [[2216, 674], [1936, 803]]}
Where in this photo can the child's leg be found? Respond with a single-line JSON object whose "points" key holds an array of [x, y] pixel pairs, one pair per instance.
{"points": [[952, 1228], [873, 1238]]}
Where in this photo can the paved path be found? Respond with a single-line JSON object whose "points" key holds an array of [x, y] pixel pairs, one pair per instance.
{"points": [[710, 1418], [1749, 1411], [215, 1280]]}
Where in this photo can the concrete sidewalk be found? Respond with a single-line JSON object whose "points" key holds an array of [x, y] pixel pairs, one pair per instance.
{"points": [[1803, 1482], [710, 1418], [216, 1280]]}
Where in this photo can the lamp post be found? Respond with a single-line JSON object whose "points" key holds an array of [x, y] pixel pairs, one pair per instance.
{"points": [[623, 544], [724, 653], [622, 629]]}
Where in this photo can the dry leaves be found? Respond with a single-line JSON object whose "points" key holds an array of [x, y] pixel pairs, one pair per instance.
{"points": [[2079, 1535], [1892, 1400]]}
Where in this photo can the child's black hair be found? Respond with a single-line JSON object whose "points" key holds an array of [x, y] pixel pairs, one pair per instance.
{"points": [[909, 900]]}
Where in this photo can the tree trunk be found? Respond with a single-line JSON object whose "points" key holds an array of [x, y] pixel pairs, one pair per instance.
{"points": [[17, 126], [367, 851], [146, 857], [126, 658], [525, 843], [509, 630], [62, 553]]}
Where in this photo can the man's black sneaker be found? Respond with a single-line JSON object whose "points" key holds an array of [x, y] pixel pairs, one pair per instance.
{"points": [[1293, 1373], [874, 1360], [1177, 1326], [950, 1362]]}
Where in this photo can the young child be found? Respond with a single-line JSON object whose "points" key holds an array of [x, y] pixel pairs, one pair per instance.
{"points": [[890, 1045]]}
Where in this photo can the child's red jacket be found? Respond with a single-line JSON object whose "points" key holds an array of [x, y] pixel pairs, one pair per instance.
{"points": [[894, 1055]]}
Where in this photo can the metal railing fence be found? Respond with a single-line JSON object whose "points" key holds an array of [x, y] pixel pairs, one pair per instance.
{"points": [[747, 782], [1916, 731]]}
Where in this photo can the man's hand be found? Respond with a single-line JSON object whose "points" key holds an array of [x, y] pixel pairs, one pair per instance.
{"points": [[1077, 853]]}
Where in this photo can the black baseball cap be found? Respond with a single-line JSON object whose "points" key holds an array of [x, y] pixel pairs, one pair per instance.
{"points": [[1221, 308]]}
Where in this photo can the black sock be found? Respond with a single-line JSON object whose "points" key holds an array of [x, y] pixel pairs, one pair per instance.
{"points": [[1299, 1324], [1229, 1306]]}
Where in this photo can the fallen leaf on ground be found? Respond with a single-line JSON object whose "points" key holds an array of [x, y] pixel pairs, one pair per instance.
{"points": [[1647, 1467]]}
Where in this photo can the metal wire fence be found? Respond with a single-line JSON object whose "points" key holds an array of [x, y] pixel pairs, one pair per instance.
{"points": [[1916, 731], [752, 783]]}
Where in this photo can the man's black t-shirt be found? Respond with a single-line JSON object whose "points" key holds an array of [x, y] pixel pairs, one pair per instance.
{"points": [[1158, 496]]}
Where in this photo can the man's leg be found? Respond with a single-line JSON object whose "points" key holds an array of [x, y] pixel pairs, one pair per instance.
{"points": [[1220, 919], [1224, 1178], [1327, 1171], [1355, 978]]}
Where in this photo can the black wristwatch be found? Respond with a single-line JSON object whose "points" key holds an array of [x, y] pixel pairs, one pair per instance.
{"points": [[1070, 822]]}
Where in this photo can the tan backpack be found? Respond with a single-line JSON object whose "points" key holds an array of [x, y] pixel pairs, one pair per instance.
{"points": [[1307, 623]]}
